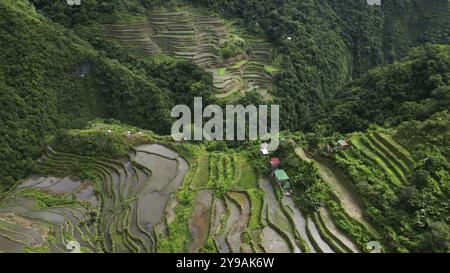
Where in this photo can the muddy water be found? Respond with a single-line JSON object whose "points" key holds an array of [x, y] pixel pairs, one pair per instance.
{"points": [[153, 191], [136, 231], [9, 246], [234, 236], [24, 239], [200, 218], [166, 177], [219, 210], [131, 178], [35, 236], [183, 168], [163, 170], [158, 150], [272, 242], [233, 217], [48, 182], [87, 194], [45, 216], [335, 231], [299, 221], [142, 179], [65, 185], [276, 215], [31, 181], [316, 237], [151, 209]]}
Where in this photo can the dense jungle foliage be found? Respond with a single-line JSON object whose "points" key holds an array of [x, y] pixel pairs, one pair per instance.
{"points": [[50, 78], [344, 66]]}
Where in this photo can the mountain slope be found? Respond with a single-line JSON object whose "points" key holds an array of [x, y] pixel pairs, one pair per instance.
{"points": [[411, 89], [54, 79]]}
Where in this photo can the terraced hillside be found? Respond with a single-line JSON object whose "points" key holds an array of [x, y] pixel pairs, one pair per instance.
{"points": [[128, 205], [385, 154], [258, 218], [201, 38], [120, 210], [154, 200]]}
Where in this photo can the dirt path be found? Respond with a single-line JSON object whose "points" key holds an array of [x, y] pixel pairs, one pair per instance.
{"points": [[341, 185]]}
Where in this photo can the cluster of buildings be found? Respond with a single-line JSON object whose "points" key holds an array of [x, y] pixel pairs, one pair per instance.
{"points": [[340, 144], [278, 174]]}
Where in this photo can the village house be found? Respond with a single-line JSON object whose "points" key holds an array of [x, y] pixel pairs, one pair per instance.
{"points": [[281, 176], [275, 162], [343, 143], [327, 148], [282, 180]]}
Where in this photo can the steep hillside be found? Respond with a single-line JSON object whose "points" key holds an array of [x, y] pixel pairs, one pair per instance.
{"points": [[158, 196], [386, 33], [50, 79], [238, 62], [85, 99], [402, 175], [412, 89]]}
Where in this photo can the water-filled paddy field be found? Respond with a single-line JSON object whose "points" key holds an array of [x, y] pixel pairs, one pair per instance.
{"points": [[131, 204]]}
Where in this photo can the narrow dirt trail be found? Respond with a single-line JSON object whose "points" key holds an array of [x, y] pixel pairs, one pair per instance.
{"points": [[341, 185]]}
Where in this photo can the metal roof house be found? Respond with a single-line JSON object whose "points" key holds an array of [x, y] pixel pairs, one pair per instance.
{"points": [[275, 162], [281, 176], [343, 143]]}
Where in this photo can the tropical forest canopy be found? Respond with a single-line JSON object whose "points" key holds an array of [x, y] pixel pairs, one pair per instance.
{"points": [[376, 75]]}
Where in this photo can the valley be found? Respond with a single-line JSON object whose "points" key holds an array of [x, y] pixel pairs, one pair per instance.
{"points": [[88, 163]]}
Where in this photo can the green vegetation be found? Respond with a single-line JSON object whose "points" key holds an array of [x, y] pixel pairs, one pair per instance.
{"points": [[411, 89], [44, 200], [309, 189], [91, 143], [239, 64], [246, 177], [56, 79], [325, 51], [74, 81], [179, 235], [257, 202], [233, 46], [39, 249], [406, 197], [270, 69], [222, 170], [221, 71], [358, 232]]}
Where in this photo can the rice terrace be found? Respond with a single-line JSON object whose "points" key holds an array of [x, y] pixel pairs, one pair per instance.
{"points": [[238, 64], [359, 108]]}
